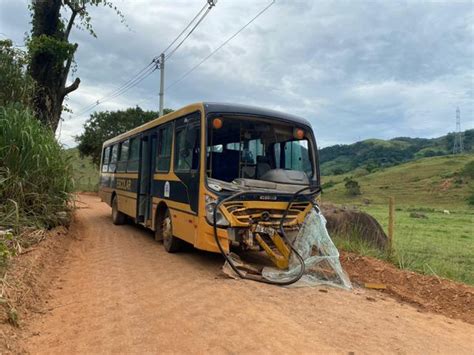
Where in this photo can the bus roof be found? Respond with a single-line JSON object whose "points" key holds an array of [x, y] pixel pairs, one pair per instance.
{"points": [[252, 110], [211, 107]]}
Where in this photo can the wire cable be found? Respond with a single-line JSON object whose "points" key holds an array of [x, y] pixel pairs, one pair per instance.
{"points": [[143, 74], [218, 48], [153, 65], [313, 191], [185, 29], [190, 32]]}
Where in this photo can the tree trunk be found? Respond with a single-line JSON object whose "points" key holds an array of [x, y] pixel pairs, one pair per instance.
{"points": [[51, 57]]}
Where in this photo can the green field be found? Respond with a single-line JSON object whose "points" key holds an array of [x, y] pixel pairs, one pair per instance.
{"points": [[439, 244], [86, 174]]}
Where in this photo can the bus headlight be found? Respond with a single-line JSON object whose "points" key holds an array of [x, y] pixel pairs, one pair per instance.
{"points": [[221, 221]]}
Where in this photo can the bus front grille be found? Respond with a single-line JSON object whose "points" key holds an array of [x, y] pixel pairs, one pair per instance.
{"points": [[245, 215]]}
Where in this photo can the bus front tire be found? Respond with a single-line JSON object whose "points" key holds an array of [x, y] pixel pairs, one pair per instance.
{"points": [[117, 216], [164, 232]]}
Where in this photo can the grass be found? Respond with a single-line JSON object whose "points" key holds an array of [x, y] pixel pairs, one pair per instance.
{"points": [[35, 178], [85, 173], [440, 244]]}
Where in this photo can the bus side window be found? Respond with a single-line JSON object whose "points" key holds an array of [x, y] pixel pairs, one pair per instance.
{"points": [[105, 160], [187, 147], [133, 155], [123, 156], [163, 154], [113, 159]]}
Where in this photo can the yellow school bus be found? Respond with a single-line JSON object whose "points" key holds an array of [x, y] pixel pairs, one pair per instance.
{"points": [[217, 176]]}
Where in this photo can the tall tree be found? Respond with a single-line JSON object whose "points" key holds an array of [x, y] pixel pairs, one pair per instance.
{"points": [[107, 124], [51, 53]]}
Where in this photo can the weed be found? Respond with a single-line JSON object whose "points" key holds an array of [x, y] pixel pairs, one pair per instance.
{"points": [[12, 317]]}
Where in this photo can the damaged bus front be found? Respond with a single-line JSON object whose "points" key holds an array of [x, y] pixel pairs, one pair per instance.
{"points": [[262, 179]]}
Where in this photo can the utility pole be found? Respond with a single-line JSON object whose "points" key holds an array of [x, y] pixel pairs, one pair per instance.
{"points": [[458, 146], [162, 82]]}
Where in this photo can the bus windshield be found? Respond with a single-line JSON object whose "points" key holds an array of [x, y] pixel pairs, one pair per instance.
{"points": [[258, 149]]}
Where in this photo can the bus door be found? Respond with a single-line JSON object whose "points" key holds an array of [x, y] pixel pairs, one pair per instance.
{"points": [[145, 176], [187, 156]]}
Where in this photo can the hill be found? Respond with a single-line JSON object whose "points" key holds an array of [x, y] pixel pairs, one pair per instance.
{"points": [[372, 154], [436, 182]]}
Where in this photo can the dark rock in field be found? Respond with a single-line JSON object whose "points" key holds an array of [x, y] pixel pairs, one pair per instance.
{"points": [[352, 224], [418, 215]]}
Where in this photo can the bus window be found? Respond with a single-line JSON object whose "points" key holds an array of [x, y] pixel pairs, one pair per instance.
{"points": [[105, 160], [277, 151], [113, 159], [163, 157], [297, 157], [133, 155], [187, 148], [123, 156]]}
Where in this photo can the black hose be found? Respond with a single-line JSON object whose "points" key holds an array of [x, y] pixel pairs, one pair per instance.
{"points": [[282, 231]]}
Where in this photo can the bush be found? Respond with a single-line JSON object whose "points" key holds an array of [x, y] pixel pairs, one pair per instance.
{"points": [[352, 187], [470, 199], [35, 175], [338, 171], [328, 184]]}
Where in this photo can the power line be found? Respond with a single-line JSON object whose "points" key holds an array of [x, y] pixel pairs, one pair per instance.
{"points": [[222, 45], [153, 65], [185, 29], [192, 30], [121, 90]]}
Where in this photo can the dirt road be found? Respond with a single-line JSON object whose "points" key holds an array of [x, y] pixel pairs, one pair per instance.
{"points": [[119, 291]]}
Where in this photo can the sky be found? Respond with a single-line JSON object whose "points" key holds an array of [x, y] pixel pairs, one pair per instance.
{"points": [[354, 69]]}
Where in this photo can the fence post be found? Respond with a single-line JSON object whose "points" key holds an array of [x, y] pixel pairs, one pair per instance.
{"points": [[391, 221]]}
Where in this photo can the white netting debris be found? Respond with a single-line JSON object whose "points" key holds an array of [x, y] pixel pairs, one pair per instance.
{"points": [[320, 254]]}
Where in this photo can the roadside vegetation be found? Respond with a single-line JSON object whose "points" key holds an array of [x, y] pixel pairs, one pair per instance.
{"points": [[84, 171], [434, 216], [35, 177]]}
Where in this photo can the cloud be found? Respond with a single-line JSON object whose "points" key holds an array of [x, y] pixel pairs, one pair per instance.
{"points": [[356, 70]]}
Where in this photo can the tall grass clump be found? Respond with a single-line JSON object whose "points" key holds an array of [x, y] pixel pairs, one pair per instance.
{"points": [[35, 175]]}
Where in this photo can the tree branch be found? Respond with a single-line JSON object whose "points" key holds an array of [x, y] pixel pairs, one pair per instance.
{"points": [[65, 71], [69, 25], [71, 87], [75, 11]]}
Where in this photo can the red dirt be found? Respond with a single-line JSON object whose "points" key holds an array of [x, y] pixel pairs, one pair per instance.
{"points": [[28, 284], [428, 293], [117, 290]]}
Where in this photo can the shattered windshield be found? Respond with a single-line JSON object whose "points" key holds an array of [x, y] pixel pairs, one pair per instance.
{"points": [[251, 148]]}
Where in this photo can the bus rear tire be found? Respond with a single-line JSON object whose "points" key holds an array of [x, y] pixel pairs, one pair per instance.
{"points": [[118, 217], [164, 232]]}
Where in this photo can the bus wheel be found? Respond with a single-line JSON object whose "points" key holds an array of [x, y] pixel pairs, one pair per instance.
{"points": [[165, 228], [117, 216]]}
